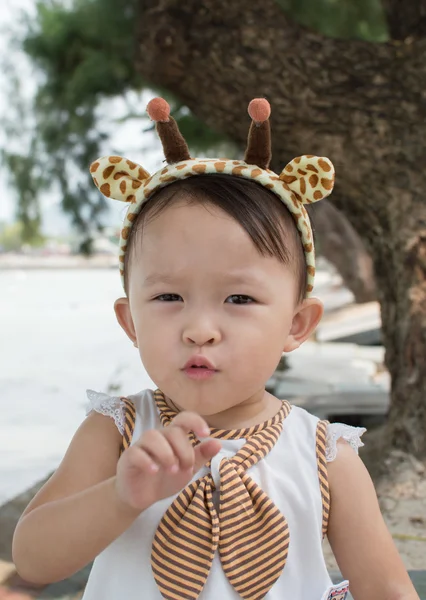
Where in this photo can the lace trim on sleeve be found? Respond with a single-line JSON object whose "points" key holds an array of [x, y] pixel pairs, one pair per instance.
{"points": [[336, 431], [110, 406]]}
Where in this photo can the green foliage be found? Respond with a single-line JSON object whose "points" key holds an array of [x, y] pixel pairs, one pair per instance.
{"points": [[362, 19], [26, 179], [13, 237], [84, 51]]}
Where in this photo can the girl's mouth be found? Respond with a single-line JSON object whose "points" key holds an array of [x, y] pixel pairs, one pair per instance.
{"points": [[199, 368]]}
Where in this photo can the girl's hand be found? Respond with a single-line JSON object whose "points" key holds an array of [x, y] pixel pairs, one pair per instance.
{"points": [[162, 462]]}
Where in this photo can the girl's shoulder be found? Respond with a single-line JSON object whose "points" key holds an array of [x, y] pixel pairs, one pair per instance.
{"points": [[115, 407], [341, 431], [305, 421]]}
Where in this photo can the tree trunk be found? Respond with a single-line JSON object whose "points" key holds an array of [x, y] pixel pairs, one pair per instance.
{"points": [[340, 244], [405, 19], [361, 104]]}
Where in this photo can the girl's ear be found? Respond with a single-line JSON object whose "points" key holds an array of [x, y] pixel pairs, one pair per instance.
{"points": [[124, 317], [306, 318]]}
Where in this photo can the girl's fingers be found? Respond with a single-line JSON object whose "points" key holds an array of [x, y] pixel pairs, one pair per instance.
{"points": [[181, 445], [171, 449], [190, 421], [205, 451], [140, 460], [156, 445]]}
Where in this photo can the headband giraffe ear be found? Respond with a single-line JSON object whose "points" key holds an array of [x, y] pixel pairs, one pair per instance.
{"points": [[311, 178], [119, 178]]}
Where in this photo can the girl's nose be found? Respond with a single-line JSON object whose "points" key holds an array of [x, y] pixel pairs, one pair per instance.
{"points": [[201, 335]]}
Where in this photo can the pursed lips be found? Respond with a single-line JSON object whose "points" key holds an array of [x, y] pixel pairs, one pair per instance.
{"points": [[199, 368], [199, 361]]}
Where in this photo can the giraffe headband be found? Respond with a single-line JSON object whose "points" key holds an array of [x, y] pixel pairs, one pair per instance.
{"points": [[304, 180]]}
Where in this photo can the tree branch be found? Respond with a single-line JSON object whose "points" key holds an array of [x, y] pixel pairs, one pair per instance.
{"points": [[405, 19]]}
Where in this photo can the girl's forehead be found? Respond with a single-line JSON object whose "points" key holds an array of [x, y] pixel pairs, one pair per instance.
{"points": [[191, 223], [187, 206], [195, 240]]}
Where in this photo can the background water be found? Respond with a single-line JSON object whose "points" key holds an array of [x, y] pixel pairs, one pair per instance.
{"points": [[58, 337]]}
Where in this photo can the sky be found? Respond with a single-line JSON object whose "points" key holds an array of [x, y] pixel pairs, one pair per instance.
{"points": [[127, 139]]}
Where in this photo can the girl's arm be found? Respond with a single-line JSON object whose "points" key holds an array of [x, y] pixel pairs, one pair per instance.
{"points": [[78, 512], [93, 497], [358, 535]]}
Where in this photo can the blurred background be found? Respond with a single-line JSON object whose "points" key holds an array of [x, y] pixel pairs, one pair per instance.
{"points": [[345, 79]]}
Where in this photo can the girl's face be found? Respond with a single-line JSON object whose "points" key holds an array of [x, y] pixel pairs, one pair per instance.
{"points": [[210, 315]]}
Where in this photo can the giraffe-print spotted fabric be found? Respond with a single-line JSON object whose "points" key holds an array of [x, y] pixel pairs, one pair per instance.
{"points": [[304, 180]]}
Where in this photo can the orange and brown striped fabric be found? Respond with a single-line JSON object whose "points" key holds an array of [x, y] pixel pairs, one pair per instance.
{"points": [[250, 532], [129, 423], [321, 441]]}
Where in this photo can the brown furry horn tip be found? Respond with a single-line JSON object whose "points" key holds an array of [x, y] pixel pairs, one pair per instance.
{"points": [[174, 146]]}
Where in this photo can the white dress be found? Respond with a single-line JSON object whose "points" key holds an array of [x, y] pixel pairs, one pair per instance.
{"points": [[288, 475]]}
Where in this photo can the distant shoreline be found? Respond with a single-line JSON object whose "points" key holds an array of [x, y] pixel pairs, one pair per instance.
{"points": [[12, 262]]}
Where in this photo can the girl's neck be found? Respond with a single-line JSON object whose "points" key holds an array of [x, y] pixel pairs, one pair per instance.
{"points": [[260, 408]]}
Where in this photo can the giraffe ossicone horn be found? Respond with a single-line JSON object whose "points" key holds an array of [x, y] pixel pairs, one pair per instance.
{"points": [[174, 146], [259, 139]]}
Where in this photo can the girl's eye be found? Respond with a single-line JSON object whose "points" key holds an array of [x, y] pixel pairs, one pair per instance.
{"points": [[168, 298], [239, 299]]}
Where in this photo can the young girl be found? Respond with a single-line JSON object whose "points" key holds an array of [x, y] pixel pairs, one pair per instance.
{"points": [[210, 487]]}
